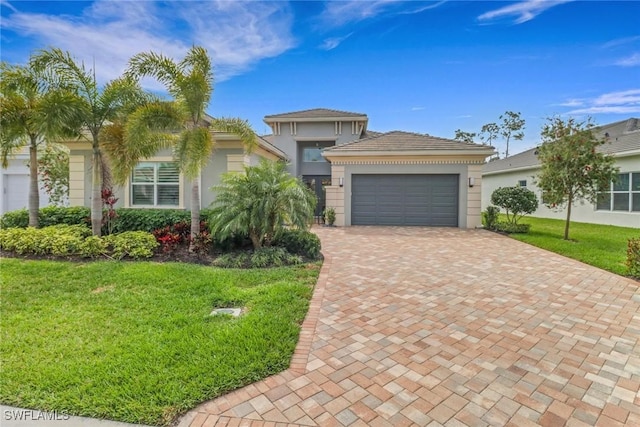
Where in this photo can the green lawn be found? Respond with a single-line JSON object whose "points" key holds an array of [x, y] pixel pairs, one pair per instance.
{"points": [[133, 341], [603, 246]]}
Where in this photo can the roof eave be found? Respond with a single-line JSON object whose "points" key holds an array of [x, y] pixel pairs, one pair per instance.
{"points": [[268, 120], [353, 153]]}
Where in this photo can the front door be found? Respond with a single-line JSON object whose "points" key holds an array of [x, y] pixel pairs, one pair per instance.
{"points": [[317, 183]]}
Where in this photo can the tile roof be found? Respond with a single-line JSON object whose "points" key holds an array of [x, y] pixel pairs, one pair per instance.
{"points": [[266, 143], [404, 141], [622, 136], [315, 113]]}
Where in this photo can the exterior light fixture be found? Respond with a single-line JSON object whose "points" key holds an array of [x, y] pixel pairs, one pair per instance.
{"points": [[472, 181], [341, 182]]}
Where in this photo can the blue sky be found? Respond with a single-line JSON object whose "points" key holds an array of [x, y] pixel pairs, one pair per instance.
{"points": [[428, 67]]}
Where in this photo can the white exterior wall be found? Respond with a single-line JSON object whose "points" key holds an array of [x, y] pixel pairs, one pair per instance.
{"points": [[581, 211], [14, 183]]}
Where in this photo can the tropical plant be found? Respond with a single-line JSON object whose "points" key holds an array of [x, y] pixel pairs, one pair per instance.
{"points": [[260, 202], [53, 168], [330, 216], [516, 201], [97, 106], [490, 217], [34, 108], [571, 166], [190, 83]]}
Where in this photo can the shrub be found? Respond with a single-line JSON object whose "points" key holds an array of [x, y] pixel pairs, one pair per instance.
{"points": [[511, 228], [516, 201], [51, 215], [202, 243], [59, 240], [135, 244], [330, 216], [129, 219], [299, 242], [92, 247], [490, 217], [260, 258], [633, 257]]}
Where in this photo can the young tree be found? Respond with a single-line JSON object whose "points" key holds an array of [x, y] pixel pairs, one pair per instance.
{"points": [[572, 168], [464, 136], [33, 110], [259, 202], [489, 132], [98, 105], [511, 127], [190, 83]]}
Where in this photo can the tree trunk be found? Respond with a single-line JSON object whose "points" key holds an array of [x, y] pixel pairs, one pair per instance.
{"points": [[34, 194], [566, 224], [255, 240], [195, 213], [96, 190]]}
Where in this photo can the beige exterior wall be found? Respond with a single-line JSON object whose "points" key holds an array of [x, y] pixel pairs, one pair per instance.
{"points": [[474, 196], [335, 197], [237, 162], [77, 180], [582, 211]]}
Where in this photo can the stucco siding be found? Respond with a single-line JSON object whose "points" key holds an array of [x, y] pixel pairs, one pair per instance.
{"points": [[582, 211], [212, 173]]}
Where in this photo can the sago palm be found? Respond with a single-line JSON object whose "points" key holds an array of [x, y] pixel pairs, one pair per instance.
{"points": [[261, 201], [33, 109], [98, 106], [190, 83]]}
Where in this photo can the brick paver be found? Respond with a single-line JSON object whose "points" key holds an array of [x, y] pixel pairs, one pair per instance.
{"points": [[428, 326]]}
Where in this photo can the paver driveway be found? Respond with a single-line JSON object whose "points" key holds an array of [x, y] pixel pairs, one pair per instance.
{"points": [[452, 327]]}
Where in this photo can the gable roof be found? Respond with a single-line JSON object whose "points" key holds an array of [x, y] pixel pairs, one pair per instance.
{"points": [[399, 141], [622, 137], [267, 145], [316, 113]]}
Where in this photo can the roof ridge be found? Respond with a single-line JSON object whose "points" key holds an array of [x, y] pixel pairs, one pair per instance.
{"points": [[316, 109]]}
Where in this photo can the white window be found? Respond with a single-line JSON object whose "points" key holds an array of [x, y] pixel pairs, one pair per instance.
{"points": [[623, 194], [155, 184], [522, 183]]}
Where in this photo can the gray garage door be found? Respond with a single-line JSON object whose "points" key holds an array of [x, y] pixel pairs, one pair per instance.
{"points": [[405, 200]]}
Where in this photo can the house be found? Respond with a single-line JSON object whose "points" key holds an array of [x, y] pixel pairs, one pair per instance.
{"points": [[370, 178], [14, 182], [617, 205]]}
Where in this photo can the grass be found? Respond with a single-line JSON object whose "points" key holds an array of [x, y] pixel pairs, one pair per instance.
{"points": [[134, 342], [603, 246]]}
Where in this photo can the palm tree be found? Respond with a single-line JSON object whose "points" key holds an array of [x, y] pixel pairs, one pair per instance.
{"points": [[98, 105], [261, 201], [33, 110], [190, 83]]}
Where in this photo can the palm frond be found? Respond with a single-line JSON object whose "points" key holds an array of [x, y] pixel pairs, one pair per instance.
{"points": [[158, 66], [241, 128], [192, 150]]}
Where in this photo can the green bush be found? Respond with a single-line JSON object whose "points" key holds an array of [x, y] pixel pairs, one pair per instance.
{"points": [[299, 242], [516, 201], [59, 240], [92, 247], [260, 258], [633, 257], [135, 244], [15, 219], [130, 219], [490, 217], [511, 228]]}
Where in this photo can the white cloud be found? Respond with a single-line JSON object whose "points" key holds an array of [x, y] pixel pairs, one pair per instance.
{"points": [[338, 13], [629, 61], [236, 34], [620, 102], [333, 42], [417, 108], [572, 103], [522, 11], [7, 4], [620, 42]]}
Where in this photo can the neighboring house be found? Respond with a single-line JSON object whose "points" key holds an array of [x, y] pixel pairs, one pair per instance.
{"points": [[617, 205], [395, 178], [14, 182]]}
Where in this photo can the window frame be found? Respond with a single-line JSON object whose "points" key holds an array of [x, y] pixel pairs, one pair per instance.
{"points": [[629, 192], [156, 161], [321, 157]]}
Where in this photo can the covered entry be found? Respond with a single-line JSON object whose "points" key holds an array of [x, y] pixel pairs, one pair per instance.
{"points": [[405, 199]]}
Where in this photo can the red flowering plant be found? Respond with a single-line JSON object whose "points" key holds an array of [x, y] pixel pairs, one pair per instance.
{"points": [[109, 215]]}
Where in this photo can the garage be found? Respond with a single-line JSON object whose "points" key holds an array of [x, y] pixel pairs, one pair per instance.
{"points": [[405, 199]]}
